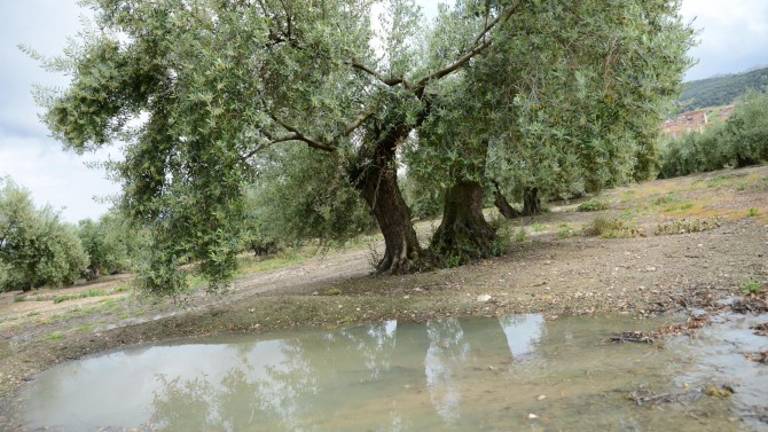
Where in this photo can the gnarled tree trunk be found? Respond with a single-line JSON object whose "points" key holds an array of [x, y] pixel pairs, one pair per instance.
{"points": [[375, 177], [501, 203], [531, 201], [378, 186], [463, 234]]}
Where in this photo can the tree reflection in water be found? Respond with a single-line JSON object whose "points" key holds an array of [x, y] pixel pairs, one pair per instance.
{"points": [[303, 385], [246, 398], [446, 354], [475, 374], [379, 377]]}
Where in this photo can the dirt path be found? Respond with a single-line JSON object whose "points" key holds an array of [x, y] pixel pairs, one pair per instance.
{"points": [[550, 269]]}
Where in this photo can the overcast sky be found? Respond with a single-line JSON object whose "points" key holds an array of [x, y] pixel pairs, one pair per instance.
{"points": [[733, 39]]}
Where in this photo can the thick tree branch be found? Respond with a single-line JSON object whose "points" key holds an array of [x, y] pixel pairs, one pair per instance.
{"points": [[480, 45], [357, 122], [391, 82], [453, 67], [298, 136]]}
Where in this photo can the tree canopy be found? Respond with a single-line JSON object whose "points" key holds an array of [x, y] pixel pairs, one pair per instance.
{"points": [[36, 248], [534, 95]]}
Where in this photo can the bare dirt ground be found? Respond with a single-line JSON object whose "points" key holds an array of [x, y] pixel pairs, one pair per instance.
{"points": [[550, 268]]}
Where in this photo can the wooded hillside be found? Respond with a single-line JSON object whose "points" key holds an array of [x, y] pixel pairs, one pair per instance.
{"points": [[721, 90]]}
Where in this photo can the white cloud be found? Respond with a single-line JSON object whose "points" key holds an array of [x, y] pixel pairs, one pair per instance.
{"points": [[56, 177], [732, 35]]}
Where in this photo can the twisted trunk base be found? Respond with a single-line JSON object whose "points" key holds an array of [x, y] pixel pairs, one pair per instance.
{"points": [[501, 203], [378, 187], [531, 202], [463, 235]]}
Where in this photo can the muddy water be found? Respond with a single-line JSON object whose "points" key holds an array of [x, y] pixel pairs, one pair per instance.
{"points": [[514, 373]]}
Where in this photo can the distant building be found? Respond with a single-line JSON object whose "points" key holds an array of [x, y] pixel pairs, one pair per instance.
{"points": [[725, 112], [695, 121]]}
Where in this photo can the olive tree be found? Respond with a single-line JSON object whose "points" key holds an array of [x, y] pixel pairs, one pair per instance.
{"points": [[740, 141], [298, 197], [113, 244], [567, 100], [36, 248], [587, 102], [219, 81]]}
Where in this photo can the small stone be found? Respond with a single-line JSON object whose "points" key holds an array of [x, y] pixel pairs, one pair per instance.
{"points": [[483, 298], [532, 416], [406, 297], [315, 293], [541, 397]]}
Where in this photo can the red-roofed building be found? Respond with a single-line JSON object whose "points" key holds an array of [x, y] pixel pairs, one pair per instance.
{"points": [[695, 121]]}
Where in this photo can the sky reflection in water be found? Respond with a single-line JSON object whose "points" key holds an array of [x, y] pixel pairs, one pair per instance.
{"points": [[480, 374]]}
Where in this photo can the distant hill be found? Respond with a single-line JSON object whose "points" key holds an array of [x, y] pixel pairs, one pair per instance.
{"points": [[721, 90]]}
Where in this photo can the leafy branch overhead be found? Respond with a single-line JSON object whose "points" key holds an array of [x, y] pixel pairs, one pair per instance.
{"points": [[480, 44]]}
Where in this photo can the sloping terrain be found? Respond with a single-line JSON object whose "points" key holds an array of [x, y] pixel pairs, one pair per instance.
{"points": [[721, 90]]}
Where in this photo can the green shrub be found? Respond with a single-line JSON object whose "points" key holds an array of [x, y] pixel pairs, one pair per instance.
{"points": [[37, 248], [521, 235], [592, 205], [612, 228], [751, 287], [504, 232], [564, 231]]}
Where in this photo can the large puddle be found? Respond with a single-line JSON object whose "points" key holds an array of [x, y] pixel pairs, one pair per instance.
{"points": [[514, 373]]}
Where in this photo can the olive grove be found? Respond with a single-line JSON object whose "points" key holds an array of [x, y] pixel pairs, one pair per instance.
{"points": [[293, 115]]}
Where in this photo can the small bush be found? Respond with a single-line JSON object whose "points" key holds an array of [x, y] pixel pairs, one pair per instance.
{"points": [[612, 228], [521, 235], [751, 287], [504, 232], [565, 231], [592, 205], [683, 226], [753, 212]]}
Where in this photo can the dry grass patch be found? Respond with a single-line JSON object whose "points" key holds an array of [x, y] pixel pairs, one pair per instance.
{"points": [[612, 228], [684, 226]]}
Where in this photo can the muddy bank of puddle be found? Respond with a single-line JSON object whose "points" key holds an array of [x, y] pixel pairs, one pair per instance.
{"points": [[513, 373]]}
